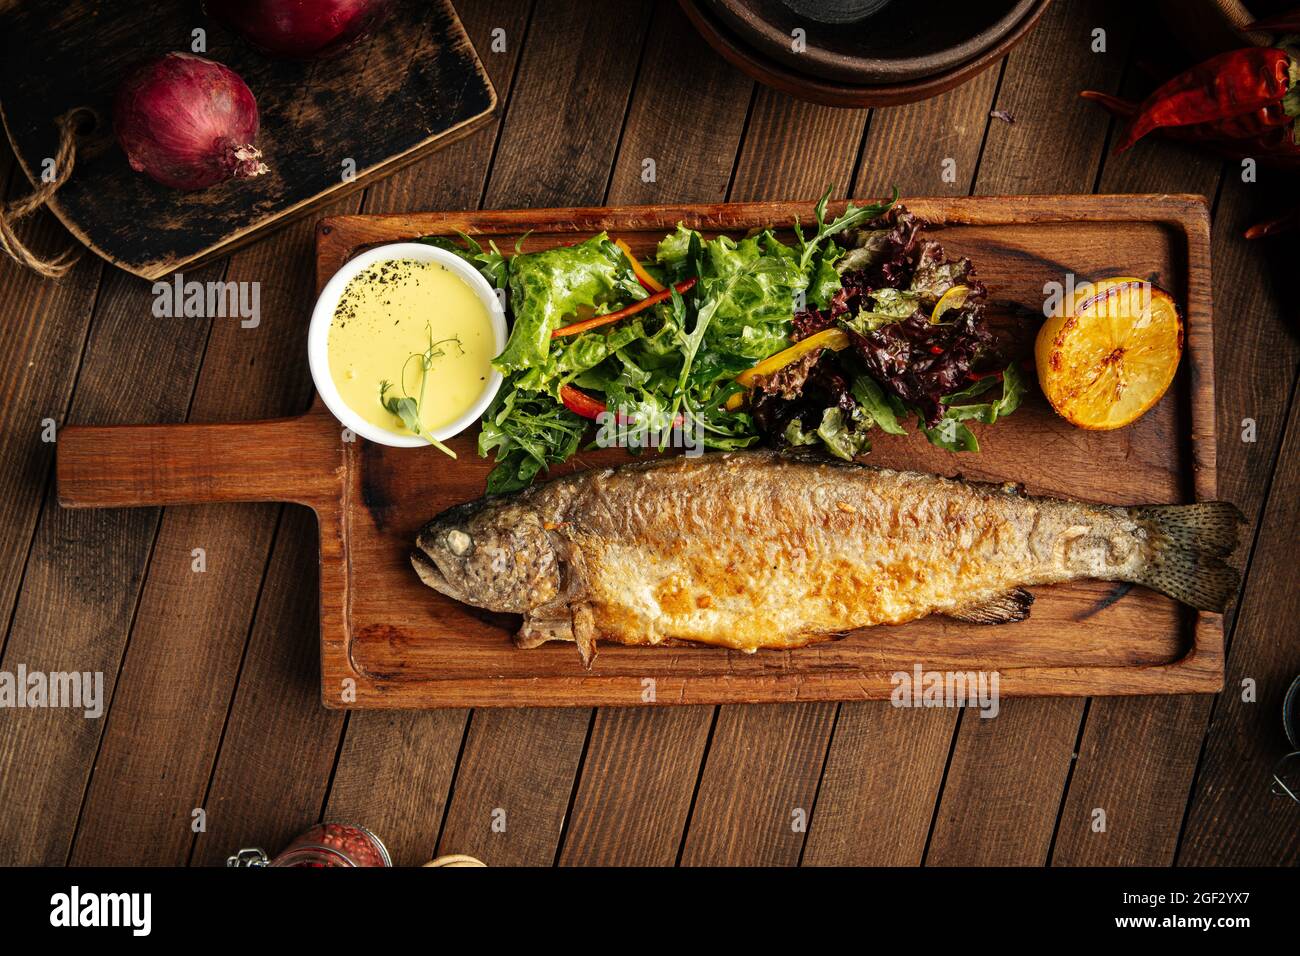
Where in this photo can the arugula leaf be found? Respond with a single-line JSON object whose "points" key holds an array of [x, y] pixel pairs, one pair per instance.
{"points": [[491, 264], [850, 217], [1013, 389], [952, 434], [528, 433], [874, 403]]}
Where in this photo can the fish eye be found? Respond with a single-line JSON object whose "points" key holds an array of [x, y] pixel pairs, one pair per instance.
{"points": [[458, 542]]}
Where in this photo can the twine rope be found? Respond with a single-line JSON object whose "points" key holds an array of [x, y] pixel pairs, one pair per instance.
{"points": [[11, 213]]}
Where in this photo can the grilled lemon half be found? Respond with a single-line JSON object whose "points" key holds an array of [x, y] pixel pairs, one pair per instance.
{"points": [[1111, 354]]}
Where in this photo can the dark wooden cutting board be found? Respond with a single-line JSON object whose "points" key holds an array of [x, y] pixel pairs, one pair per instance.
{"points": [[396, 643], [413, 84]]}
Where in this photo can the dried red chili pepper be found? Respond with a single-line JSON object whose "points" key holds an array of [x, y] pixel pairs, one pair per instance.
{"points": [[1258, 123], [1223, 87], [1266, 134]]}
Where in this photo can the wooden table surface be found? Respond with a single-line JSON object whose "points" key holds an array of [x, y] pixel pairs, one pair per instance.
{"points": [[210, 680]]}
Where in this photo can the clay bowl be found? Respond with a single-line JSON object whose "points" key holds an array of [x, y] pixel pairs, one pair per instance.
{"points": [[871, 42], [778, 75]]}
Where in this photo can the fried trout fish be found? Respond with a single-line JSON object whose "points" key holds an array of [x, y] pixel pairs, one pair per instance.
{"points": [[753, 550]]}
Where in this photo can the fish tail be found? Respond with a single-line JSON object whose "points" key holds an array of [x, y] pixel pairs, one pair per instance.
{"points": [[1190, 542]]}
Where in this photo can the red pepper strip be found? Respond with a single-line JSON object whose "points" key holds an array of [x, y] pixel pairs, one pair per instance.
{"points": [[580, 403], [1222, 87], [594, 323]]}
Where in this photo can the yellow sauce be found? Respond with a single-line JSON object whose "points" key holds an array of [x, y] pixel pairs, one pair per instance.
{"points": [[393, 310]]}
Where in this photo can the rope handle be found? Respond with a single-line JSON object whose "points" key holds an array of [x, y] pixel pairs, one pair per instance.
{"points": [[11, 213]]}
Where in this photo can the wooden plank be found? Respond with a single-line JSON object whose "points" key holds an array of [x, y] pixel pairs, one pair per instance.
{"points": [[1135, 765], [634, 792], [1234, 819], [1228, 822], [84, 575], [687, 115], [773, 164], [513, 785], [975, 820], [759, 786], [394, 775], [930, 148], [1057, 139], [1137, 757], [577, 72], [864, 815], [557, 144], [883, 772], [1000, 798], [274, 764], [41, 349], [640, 770], [417, 749]]}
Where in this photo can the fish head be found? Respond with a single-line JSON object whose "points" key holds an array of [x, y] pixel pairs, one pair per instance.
{"points": [[494, 553]]}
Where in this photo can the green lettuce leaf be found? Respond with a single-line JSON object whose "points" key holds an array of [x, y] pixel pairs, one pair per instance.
{"points": [[844, 435], [549, 287], [887, 306]]}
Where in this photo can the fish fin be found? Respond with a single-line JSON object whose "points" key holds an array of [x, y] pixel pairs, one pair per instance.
{"points": [[579, 626], [1210, 527], [584, 632], [1190, 543], [535, 632], [1005, 608]]}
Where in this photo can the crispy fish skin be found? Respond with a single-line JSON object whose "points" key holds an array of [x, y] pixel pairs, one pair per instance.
{"points": [[752, 550]]}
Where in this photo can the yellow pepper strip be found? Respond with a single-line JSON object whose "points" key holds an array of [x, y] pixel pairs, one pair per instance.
{"points": [[833, 339], [645, 278], [954, 298]]}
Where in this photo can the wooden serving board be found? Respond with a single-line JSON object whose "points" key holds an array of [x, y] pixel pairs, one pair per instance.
{"points": [[411, 85], [392, 642]]}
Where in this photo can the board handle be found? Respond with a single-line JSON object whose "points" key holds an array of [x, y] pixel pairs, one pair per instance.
{"points": [[118, 466]]}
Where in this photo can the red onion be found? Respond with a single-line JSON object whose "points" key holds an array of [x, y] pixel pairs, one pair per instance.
{"points": [[297, 28], [188, 122]]}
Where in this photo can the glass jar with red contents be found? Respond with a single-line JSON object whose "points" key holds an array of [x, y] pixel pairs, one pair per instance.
{"points": [[324, 845]]}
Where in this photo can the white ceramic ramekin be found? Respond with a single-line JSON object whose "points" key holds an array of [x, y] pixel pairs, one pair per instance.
{"points": [[323, 313]]}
